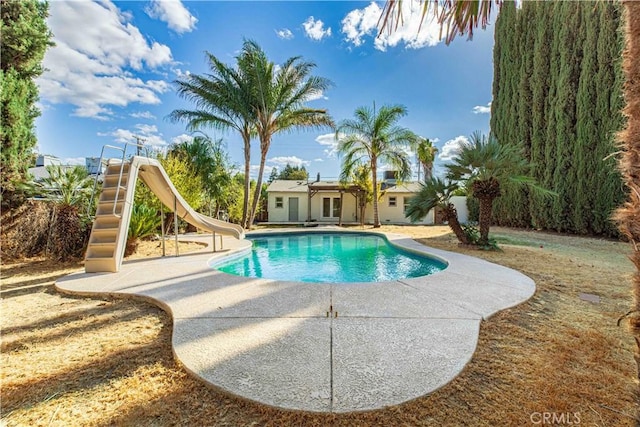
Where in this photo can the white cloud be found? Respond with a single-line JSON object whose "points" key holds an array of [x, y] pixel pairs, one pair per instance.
{"points": [[318, 160], [328, 140], [173, 12], [284, 34], [450, 148], [92, 71], [143, 115], [180, 74], [364, 22], [482, 109], [317, 95], [361, 22], [181, 138], [315, 29], [149, 135], [254, 169], [288, 160]]}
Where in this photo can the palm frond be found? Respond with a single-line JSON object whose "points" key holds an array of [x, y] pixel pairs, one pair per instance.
{"points": [[433, 192], [456, 17]]}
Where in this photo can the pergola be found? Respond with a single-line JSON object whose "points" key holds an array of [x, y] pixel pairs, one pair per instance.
{"points": [[326, 187]]}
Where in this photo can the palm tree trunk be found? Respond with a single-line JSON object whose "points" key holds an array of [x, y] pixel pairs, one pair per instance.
{"points": [[374, 180], [428, 172], [451, 216], [628, 215], [484, 219], [247, 184], [257, 193]]}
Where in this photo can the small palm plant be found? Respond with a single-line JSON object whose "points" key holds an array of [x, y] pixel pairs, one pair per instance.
{"points": [[69, 190], [433, 193], [487, 168], [144, 223]]}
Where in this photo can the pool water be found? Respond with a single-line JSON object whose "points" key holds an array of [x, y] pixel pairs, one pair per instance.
{"points": [[329, 257]]}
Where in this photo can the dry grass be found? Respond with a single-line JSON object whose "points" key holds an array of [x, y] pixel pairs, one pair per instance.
{"points": [[78, 361]]}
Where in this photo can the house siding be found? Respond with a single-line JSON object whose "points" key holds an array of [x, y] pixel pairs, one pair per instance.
{"points": [[388, 214]]}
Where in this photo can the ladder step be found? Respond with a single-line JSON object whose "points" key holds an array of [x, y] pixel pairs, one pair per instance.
{"points": [[99, 265], [102, 245], [106, 230], [107, 208], [100, 251]]}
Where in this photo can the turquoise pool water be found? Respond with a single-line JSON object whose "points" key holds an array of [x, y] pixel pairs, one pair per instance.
{"points": [[329, 257]]}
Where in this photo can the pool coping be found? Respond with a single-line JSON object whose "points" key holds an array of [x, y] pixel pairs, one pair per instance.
{"points": [[318, 347]]}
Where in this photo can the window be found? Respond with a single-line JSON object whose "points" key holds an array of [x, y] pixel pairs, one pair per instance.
{"points": [[279, 202], [330, 207], [393, 202], [336, 207], [326, 207], [406, 204]]}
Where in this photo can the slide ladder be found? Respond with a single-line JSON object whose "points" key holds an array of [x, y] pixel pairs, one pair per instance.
{"points": [[108, 239]]}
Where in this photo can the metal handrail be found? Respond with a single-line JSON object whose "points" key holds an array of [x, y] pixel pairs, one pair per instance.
{"points": [[95, 182]]}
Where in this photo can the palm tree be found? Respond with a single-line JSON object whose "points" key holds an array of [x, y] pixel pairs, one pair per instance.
{"points": [[278, 97], [486, 166], [223, 101], [209, 162], [65, 186], [437, 193], [69, 189], [374, 137], [426, 153]]}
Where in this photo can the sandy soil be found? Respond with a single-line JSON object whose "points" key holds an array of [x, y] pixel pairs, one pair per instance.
{"points": [[80, 361]]}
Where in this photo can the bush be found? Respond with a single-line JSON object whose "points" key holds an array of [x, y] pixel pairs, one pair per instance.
{"points": [[42, 228], [69, 234], [25, 230], [144, 223], [473, 206], [470, 230]]}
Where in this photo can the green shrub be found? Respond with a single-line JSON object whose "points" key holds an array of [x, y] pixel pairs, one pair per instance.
{"points": [[470, 229], [144, 223], [473, 206]]}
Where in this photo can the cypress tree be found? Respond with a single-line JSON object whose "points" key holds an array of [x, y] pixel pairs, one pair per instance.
{"points": [[560, 98], [607, 182], [513, 206], [550, 160], [504, 117], [587, 117], [564, 175], [540, 81], [25, 38]]}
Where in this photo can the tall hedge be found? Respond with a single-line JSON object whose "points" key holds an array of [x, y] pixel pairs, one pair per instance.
{"points": [[557, 94], [24, 39]]}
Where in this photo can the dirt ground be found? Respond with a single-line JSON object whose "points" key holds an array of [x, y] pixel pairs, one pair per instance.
{"points": [[97, 362]]}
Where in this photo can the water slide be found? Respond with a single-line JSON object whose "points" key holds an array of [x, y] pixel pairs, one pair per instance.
{"points": [[109, 233]]}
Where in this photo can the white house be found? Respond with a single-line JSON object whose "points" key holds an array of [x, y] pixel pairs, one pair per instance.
{"points": [[332, 203]]}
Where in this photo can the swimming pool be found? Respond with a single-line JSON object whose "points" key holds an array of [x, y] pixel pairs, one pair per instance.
{"points": [[329, 257]]}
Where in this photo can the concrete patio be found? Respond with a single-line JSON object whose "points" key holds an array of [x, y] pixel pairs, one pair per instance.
{"points": [[318, 347]]}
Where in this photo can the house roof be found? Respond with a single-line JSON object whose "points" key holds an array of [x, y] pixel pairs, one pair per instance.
{"points": [[283, 186], [405, 187]]}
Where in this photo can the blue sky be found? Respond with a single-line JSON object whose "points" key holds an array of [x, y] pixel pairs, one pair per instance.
{"points": [[110, 76]]}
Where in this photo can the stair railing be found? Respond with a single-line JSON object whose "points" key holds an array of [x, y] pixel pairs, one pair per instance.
{"points": [[100, 163]]}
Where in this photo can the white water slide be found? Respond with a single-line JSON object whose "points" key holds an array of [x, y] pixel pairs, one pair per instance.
{"points": [[109, 233]]}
